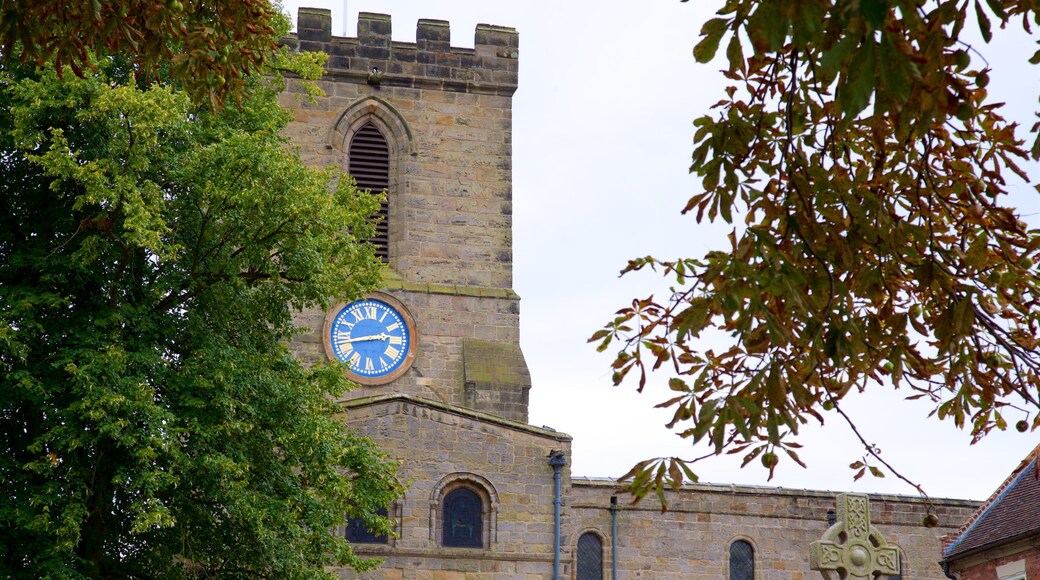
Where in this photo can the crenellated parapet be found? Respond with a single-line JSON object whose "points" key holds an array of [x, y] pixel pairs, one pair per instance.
{"points": [[429, 63]]}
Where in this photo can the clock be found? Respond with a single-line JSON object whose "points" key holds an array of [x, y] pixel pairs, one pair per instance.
{"points": [[374, 338]]}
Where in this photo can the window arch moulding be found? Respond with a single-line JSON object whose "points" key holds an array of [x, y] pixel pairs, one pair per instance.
{"points": [[381, 114], [375, 113]]}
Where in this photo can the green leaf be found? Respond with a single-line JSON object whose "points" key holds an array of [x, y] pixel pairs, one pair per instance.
{"points": [[858, 85], [998, 8], [833, 60], [735, 54], [874, 12], [767, 27], [984, 23], [896, 73], [712, 32]]}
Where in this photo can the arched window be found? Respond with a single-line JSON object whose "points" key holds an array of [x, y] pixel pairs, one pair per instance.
{"points": [[590, 557], [741, 561], [356, 532], [463, 519], [369, 158]]}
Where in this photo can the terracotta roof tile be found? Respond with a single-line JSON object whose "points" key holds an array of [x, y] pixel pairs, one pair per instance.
{"points": [[1011, 512]]}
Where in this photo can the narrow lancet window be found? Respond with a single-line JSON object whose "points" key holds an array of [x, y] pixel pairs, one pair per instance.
{"points": [[369, 164]]}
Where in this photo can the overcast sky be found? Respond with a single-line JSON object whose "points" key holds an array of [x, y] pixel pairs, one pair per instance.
{"points": [[602, 138]]}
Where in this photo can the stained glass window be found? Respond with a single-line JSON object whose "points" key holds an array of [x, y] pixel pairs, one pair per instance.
{"points": [[356, 532], [463, 521], [590, 557], [741, 561]]}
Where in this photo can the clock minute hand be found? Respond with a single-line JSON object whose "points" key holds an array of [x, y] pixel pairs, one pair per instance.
{"points": [[381, 336]]}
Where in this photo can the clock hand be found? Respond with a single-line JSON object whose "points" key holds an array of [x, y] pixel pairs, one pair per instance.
{"points": [[381, 336]]}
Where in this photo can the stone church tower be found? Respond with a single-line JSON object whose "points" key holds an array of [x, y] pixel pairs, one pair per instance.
{"points": [[444, 383], [432, 125], [441, 119]]}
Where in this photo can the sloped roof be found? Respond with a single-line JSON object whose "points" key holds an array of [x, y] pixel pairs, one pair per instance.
{"points": [[486, 418], [1011, 513]]}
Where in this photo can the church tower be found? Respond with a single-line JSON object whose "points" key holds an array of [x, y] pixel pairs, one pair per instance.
{"points": [[444, 385], [431, 125]]}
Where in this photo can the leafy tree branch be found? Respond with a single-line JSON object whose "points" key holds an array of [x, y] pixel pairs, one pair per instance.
{"points": [[860, 145]]}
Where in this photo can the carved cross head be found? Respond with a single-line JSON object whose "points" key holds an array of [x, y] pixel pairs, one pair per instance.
{"points": [[852, 549]]}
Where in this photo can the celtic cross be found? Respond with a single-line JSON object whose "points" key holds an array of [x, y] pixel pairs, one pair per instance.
{"points": [[852, 549]]}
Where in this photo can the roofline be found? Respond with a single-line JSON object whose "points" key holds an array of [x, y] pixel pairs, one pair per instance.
{"points": [[362, 402], [949, 553], [758, 489], [990, 546]]}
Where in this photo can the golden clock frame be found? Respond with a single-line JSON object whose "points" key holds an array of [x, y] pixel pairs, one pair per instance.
{"points": [[409, 322]]}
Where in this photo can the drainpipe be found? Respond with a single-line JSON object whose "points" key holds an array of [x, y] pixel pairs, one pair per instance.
{"points": [[556, 461], [946, 570], [613, 537]]}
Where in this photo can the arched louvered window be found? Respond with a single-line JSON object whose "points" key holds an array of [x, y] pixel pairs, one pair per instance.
{"points": [[463, 519], [370, 166], [741, 561], [356, 532], [590, 557]]}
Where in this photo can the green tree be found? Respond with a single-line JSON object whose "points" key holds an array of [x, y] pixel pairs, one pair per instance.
{"points": [[153, 422], [211, 47], [860, 146]]}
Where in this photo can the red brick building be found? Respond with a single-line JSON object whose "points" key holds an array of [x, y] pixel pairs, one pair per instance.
{"points": [[1001, 541]]}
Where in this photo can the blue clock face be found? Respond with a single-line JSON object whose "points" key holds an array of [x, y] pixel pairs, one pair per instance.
{"points": [[372, 338]]}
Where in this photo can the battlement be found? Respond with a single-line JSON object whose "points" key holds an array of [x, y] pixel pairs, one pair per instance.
{"points": [[430, 62]]}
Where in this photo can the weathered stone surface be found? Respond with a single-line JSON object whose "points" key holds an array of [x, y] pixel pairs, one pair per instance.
{"points": [[450, 240], [852, 548]]}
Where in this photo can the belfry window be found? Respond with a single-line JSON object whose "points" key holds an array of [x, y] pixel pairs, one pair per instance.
{"points": [[590, 557], [463, 519], [741, 561], [369, 164]]}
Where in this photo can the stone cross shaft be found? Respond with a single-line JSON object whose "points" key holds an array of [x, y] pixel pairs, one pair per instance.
{"points": [[852, 549]]}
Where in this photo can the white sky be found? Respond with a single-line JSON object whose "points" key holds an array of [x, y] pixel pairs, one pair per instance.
{"points": [[602, 138]]}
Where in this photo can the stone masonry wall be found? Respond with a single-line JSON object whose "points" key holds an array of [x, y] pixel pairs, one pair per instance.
{"points": [[435, 443], [444, 320], [692, 539], [451, 198], [446, 113]]}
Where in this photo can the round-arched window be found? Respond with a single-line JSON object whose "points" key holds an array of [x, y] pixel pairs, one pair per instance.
{"points": [[741, 561], [590, 557], [463, 519]]}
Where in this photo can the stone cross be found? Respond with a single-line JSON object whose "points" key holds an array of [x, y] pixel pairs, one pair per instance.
{"points": [[852, 549]]}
